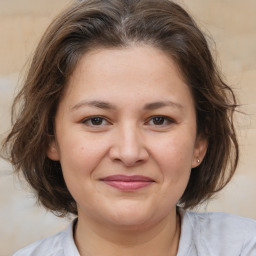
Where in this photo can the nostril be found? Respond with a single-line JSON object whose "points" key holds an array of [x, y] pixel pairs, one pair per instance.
{"points": [[128, 159], [128, 146]]}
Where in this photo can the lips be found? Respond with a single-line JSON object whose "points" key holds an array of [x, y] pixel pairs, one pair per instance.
{"points": [[128, 183]]}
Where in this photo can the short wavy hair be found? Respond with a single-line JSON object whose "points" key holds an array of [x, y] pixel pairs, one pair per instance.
{"points": [[90, 24]]}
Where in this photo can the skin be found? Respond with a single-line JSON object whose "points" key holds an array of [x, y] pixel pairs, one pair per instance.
{"points": [[125, 138]]}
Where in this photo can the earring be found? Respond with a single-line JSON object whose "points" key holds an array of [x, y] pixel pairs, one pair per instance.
{"points": [[198, 160]]}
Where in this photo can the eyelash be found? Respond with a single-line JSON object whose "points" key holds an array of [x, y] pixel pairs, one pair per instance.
{"points": [[102, 119], [91, 118]]}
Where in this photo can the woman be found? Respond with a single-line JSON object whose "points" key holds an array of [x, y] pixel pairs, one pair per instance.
{"points": [[126, 123]]}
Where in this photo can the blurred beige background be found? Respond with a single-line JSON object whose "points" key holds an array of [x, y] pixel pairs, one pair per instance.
{"points": [[232, 24]]}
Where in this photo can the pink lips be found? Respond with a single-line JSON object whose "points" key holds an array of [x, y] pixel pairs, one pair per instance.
{"points": [[127, 183]]}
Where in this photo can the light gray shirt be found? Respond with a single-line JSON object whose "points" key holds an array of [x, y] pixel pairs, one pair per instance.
{"points": [[202, 234]]}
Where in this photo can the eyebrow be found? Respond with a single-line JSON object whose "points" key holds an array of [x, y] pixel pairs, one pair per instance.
{"points": [[107, 105]]}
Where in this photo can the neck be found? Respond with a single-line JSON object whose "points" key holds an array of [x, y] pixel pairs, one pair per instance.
{"points": [[160, 239]]}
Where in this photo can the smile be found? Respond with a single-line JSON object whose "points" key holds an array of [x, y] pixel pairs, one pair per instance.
{"points": [[128, 183]]}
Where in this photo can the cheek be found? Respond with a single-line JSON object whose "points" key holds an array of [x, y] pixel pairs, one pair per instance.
{"points": [[79, 158], [174, 156], [80, 155], [176, 152]]}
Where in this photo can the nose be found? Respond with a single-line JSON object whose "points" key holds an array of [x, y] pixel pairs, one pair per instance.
{"points": [[129, 146]]}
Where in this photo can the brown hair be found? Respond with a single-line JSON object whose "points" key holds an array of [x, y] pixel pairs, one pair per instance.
{"points": [[119, 23]]}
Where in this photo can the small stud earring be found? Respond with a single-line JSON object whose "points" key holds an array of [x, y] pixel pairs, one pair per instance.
{"points": [[198, 160]]}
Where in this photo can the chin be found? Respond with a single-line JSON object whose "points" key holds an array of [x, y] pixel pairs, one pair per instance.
{"points": [[131, 218], [131, 223]]}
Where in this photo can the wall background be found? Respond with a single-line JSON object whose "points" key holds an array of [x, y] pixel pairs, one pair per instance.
{"points": [[232, 24]]}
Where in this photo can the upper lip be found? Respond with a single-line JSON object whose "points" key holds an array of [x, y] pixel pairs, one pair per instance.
{"points": [[127, 178]]}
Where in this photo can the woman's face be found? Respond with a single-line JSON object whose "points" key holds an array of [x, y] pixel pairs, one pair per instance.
{"points": [[126, 136]]}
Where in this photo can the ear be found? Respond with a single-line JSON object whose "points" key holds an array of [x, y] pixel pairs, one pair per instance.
{"points": [[52, 151], [200, 149]]}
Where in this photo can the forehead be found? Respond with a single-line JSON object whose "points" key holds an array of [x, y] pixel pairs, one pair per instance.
{"points": [[141, 57], [134, 71]]}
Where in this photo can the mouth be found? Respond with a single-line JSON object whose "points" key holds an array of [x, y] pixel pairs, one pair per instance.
{"points": [[127, 183]]}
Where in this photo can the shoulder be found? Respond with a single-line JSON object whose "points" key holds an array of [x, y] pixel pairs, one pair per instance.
{"points": [[221, 233], [51, 246], [223, 222], [60, 244]]}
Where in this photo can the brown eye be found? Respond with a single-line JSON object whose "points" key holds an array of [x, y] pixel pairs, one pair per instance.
{"points": [[95, 121], [160, 121]]}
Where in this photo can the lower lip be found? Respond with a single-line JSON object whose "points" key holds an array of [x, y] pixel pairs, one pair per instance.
{"points": [[128, 185]]}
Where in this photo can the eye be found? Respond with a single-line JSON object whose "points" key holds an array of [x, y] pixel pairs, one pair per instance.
{"points": [[95, 121], [160, 121]]}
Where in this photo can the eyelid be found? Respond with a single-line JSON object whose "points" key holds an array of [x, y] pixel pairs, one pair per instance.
{"points": [[167, 118], [164, 116], [85, 120]]}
